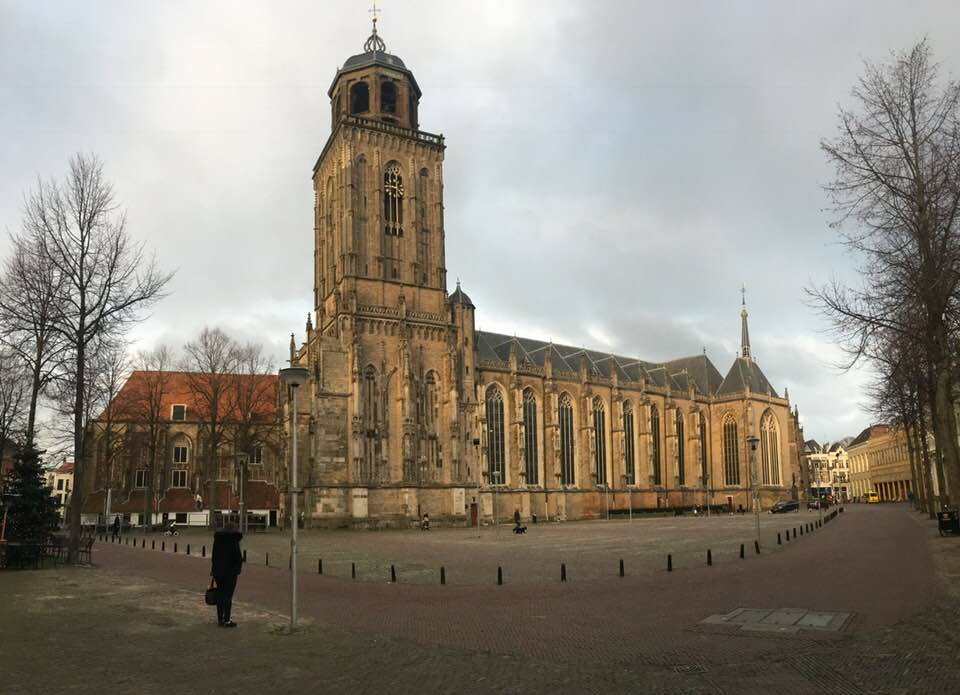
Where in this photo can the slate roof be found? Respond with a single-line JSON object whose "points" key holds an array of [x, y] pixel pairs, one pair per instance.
{"points": [[812, 446], [869, 433], [369, 58], [676, 373], [460, 297], [745, 373]]}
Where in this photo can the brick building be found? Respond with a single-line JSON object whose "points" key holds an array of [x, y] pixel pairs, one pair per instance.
{"points": [[410, 409], [179, 477]]}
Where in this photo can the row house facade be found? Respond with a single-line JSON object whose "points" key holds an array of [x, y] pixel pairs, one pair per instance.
{"points": [[176, 479]]}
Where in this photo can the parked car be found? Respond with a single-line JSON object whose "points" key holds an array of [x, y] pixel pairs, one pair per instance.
{"points": [[784, 506]]}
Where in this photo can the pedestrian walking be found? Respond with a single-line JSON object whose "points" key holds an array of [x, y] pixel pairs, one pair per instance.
{"points": [[226, 561], [116, 526]]}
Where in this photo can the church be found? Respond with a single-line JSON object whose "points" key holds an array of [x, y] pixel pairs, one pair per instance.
{"points": [[410, 410]]}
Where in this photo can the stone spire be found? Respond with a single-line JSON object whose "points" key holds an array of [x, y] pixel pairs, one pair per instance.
{"points": [[744, 333]]}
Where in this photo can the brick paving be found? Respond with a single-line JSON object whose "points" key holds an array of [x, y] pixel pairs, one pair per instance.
{"points": [[641, 633]]}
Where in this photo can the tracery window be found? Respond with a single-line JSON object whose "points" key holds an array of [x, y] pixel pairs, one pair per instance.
{"points": [[655, 444], [495, 442], [600, 441], [731, 452], [770, 450], [566, 440], [393, 200], [680, 448], [628, 446], [530, 458]]}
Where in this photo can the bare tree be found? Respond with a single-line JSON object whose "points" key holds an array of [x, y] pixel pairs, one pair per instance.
{"points": [[210, 363], [30, 290], [144, 406], [896, 196], [13, 389], [252, 403], [106, 282]]}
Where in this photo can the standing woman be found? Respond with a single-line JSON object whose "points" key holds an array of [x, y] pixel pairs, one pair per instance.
{"points": [[226, 562]]}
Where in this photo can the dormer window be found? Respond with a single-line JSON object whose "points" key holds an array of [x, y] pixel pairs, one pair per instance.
{"points": [[359, 98], [178, 413], [388, 97]]}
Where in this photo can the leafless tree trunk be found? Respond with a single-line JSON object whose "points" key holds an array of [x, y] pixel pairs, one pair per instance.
{"points": [[106, 282], [146, 407], [896, 193], [30, 290], [13, 389], [210, 363]]}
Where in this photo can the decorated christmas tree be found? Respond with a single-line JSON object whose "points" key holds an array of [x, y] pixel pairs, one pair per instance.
{"points": [[30, 509]]}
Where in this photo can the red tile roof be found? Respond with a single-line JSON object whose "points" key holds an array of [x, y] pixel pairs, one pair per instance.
{"points": [[65, 468], [187, 388]]}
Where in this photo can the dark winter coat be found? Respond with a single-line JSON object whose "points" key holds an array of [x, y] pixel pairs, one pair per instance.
{"points": [[226, 560]]}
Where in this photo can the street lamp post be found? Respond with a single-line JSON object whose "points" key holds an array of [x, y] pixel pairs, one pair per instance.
{"points": [[752, 441], [242, 460], [294, 377]]}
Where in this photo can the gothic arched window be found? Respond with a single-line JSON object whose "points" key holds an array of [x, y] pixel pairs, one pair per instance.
{"points": [[655, 444], [359, 98], [393, 200], [680, 448], [431, 412], [388, 97], [770, 449], [359, 205], [629, 455], [600, 441], [495, 448], [703, 450], [530, 437], [731, 452], [566, 440], [423, 230], [370, 424], [331, 251]]}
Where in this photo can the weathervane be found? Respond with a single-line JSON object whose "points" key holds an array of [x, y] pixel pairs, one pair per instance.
{"points": [[374, 43]]}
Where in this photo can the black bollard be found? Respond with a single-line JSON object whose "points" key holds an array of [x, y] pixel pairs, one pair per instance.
{"points": [[443, 575], [621, 567], [563, 571], [756, 547], [244, 555], [801, 530], [794, 532], [353, 570], [174, 547], [144, 543], [266, 560], [669, 563], [778, 539], [153, 545], [188, 548], [203, 551], [163, 545], [499, 575], [709, 558], [393, 574], [320, 565], [741, 551]]}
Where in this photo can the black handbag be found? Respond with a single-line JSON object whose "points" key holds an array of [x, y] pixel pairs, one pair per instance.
{"points": [[210, 597]]}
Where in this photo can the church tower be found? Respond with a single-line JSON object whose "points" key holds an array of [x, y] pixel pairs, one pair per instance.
{"points": [[385, 352], [378, 192]]}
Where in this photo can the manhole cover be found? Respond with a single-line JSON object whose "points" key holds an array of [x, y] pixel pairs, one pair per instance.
{"points": [[781, 620]]}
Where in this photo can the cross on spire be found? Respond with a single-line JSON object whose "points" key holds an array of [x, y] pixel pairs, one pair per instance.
{"points": [[743, 295], [374, 13], [374, 43]]}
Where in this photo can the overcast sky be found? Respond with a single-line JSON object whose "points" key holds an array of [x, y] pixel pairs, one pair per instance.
{"points": [[614, 170]]}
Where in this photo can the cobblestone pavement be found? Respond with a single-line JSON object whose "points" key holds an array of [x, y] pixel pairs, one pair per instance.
{"points": [[590, 549], [135, 622]]}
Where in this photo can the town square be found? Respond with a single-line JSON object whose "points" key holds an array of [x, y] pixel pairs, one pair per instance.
{"points": [[493, 347]]}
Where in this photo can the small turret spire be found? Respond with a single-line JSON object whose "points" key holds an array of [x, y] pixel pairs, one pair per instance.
{"points": [[374, 43], [744, 333]]}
